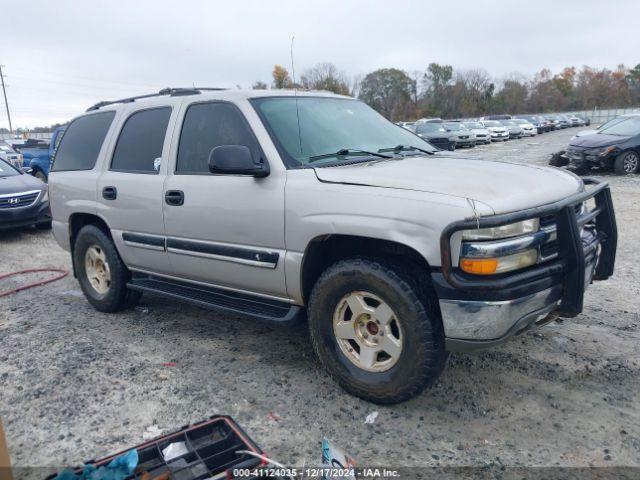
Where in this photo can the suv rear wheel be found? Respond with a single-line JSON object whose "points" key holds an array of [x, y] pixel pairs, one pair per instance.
{"points": [[102, 275], [376, 331]]}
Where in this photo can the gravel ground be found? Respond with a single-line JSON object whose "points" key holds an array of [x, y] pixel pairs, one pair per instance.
{"points": [[77, 384]]}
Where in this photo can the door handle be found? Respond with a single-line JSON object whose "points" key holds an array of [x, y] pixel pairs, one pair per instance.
{"points": [[174, 197], [109, 193]]}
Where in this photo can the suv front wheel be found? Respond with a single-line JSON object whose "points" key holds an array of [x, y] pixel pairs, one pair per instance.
{"points": [[102, 275], [374, 328]]}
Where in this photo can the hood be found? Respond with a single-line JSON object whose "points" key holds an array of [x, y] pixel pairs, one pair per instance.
{"points": [[505, 187], [19, 183], [596, 140], [583, 133]]}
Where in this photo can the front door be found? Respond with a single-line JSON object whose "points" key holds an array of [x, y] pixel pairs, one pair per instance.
{"points": [[223, 230], [130, 190]]}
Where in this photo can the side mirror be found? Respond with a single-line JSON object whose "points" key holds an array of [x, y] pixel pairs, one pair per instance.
{"points": [[27, 170], [235, 160]]}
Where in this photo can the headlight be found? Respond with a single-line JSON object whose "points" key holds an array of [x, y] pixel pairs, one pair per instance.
{"points": [[45, 195], [606, 151], [491, 266], [503, 231], [485, 257]]}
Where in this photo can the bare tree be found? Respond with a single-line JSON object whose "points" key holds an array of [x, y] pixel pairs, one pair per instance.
{"points": [[325, 76]]}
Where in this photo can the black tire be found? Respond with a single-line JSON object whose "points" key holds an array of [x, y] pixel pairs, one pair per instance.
{"points": [[39, 174], [558, 159], [118, 297], [627, 163], [405, 290], [44, 226]]}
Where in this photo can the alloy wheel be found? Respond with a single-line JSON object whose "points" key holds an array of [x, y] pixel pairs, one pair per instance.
{"points": [[97, 269], [367, 331], [631, 162]]}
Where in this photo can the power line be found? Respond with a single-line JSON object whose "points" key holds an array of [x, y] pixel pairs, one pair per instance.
{"points": [[6, 102]]}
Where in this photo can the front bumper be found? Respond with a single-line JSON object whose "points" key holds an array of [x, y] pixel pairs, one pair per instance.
{"points": [[480, 312], [499, 136], [25, 216], [589, 157]]}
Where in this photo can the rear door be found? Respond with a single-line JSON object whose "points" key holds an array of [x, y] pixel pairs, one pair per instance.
{"points": [[130, 188]]}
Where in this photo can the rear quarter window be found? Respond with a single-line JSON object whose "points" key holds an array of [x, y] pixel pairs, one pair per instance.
{"points": [[81, 142], [139, 147]]}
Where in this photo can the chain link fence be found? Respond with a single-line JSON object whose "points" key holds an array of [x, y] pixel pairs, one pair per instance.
{"points": [[39, 135], [598, 117]]}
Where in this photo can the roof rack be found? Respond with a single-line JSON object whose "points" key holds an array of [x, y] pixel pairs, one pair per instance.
{"points": [[173, 92]]}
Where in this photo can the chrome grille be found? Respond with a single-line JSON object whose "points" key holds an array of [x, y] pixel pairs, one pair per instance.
{"points": [[18, 199]]}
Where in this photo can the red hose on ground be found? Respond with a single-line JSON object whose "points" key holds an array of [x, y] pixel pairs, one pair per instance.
{"points": [[63, 273]]}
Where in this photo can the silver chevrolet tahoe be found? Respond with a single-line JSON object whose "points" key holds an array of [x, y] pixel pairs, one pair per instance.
{"points": [[283, 205]]}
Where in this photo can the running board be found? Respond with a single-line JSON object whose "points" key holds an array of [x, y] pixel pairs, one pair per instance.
{"points": [[218, 299]]}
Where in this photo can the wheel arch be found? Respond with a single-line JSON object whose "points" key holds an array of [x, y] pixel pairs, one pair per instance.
{"points": [[325, 250], [79, 220]]}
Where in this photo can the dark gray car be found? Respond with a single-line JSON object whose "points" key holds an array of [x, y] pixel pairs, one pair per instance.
{"points": [[24, 200]]}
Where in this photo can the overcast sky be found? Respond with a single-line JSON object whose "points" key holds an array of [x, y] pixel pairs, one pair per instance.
{"points": [[62, 56]]}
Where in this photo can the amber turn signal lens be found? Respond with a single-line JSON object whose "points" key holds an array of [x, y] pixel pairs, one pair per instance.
{"points": [[479, 266]]}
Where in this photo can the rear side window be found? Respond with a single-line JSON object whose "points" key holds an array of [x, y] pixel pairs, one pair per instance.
{"points": [[81, 142], [139, 147], [208, 125]]}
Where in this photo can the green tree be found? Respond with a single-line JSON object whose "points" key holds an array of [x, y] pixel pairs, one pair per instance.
{"points": [[388, 90], [258, 85], [633, 81], [512, 97]]}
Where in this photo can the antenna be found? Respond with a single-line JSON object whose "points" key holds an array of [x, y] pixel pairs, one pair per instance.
{"points": [[6, 102], [295, 93]]}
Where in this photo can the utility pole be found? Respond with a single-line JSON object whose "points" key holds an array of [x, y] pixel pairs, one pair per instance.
{"points": [[6, 102]]}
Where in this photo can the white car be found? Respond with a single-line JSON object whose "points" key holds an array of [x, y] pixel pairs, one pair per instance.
{"points": [[9, 155], [499, 132], [482, 134], [528, 128]]}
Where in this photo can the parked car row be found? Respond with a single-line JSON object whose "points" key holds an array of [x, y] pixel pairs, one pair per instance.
{"points": [[452, 134]]}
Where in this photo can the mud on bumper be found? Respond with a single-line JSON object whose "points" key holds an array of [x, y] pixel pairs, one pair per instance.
{"points": [[484, 312]]}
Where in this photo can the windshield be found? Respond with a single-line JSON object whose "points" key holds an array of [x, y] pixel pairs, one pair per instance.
{"points": [[613, 121], [492, 123], [626, 128], [328, 125], [520, 121], [473, 125], [454, 127], [430, 128], [508, 123], [7, 170]]}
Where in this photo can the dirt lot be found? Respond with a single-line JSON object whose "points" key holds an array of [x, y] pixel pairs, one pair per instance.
{"points": [[76, 384]]}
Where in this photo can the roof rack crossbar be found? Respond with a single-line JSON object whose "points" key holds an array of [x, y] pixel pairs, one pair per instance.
{"points": [[174, 92]]}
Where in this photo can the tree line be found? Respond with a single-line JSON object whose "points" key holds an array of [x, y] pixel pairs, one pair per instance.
{"points": [[442, 91]]}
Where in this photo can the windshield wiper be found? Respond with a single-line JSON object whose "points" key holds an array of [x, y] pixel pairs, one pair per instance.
{"points": [[345, 152], [404, 148]]}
